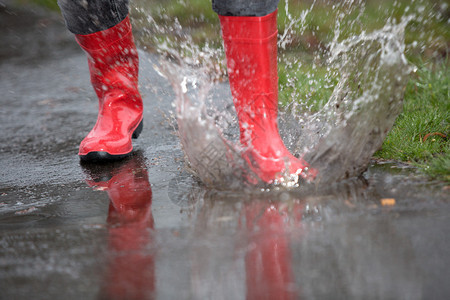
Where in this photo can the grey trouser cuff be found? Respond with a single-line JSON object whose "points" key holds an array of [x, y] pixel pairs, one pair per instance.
{"points": [[89, 16], [242, 8]]}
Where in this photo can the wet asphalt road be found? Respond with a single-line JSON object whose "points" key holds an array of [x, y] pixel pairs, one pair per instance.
{"points": [[145, 229]]}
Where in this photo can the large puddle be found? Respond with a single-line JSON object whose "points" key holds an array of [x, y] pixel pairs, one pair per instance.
{"points": [[382, 236]]}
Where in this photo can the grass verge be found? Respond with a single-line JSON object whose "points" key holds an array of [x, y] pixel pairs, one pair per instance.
{"points": [[420, 134]]}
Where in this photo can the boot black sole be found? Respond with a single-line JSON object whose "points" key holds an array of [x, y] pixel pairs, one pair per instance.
{"points": [[138, 130], [101, 156]]}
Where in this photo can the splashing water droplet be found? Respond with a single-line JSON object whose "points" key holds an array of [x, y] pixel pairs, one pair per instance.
{"points": [[365, 73]]}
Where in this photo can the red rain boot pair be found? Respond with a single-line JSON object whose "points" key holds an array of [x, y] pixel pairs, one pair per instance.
{"points": [[251, 51], [114, 65]]}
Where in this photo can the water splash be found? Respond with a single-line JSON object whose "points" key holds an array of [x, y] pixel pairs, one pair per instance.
{"points": [[367, 72], [205, 134], [364, 103]]}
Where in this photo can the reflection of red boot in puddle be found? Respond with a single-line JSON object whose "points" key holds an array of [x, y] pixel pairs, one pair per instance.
{"points": [[268, 262], [130, 272], [251, 50]]}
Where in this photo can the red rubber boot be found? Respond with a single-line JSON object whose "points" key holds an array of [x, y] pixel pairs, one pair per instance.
{"points": [[113, 64], [251, 51]]}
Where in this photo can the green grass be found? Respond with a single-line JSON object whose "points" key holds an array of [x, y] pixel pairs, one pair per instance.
{"points": [[51, 4], [420, 133], [311, 87]]}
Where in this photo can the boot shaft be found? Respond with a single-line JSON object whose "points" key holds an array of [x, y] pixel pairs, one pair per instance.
{"points": [[113, 59], [251, 51]]}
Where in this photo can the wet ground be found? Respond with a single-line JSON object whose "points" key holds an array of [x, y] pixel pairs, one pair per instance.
{"points": [[146, 229]]}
